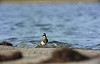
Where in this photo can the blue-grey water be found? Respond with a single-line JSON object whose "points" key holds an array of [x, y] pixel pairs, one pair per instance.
{"points": [[74, 24]]}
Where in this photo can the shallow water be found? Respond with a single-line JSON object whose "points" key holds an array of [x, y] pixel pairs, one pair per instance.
{"points": [[74, 24]]}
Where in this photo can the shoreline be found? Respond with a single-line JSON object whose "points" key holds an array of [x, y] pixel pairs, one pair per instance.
{"points": [[38, 54]]}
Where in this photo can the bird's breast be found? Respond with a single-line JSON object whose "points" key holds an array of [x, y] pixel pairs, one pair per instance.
{"points": [[43, 43]]}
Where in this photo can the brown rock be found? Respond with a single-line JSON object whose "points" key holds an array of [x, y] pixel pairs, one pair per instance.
{"points": [[65, 55], [8, 55]]}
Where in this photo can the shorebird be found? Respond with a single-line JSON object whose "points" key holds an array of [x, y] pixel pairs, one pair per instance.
{"points": [[44, 39]]}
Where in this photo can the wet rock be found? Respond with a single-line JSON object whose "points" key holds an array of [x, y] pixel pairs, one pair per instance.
{"points": [[54, 44], [6, 43], [25, 45], [65, 55], [10, 55]]}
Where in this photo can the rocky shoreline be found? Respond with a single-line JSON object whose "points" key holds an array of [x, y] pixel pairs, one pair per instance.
{"points": [[36, 55]]}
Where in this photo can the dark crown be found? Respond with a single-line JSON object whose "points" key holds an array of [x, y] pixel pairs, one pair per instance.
{"points": [[44, 34]]}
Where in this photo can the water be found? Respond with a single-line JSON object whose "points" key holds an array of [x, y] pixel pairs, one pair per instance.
{"points": [[75, 24]]}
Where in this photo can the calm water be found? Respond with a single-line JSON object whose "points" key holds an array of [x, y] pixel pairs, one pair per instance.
{"points": [[74, 24]]}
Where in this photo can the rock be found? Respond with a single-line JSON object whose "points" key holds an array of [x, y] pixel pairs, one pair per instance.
{"points": [[10, 55], [6, 43], [65, 55]]}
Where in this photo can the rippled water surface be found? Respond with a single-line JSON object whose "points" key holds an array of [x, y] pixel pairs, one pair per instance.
{"points": [[74, 24]]}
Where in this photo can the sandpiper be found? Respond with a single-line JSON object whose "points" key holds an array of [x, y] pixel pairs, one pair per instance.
{"points": [[44, 39]]}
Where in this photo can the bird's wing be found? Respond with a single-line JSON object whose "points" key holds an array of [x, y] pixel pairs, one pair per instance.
{"points": [[47, 40]]}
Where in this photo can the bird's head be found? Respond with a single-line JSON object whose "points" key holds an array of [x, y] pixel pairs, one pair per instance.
{"points": [[44, 34]]}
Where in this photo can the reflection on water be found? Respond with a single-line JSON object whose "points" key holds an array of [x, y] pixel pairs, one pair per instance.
{"points": [[74, 24]]}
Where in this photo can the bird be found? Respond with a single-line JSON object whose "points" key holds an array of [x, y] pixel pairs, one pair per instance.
{"points": [[44, 39]]}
